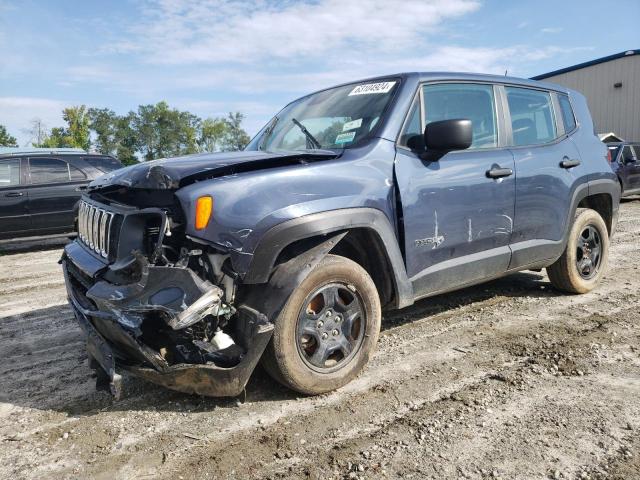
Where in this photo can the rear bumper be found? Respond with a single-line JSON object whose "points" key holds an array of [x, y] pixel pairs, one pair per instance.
{"points": [[111, 316]]}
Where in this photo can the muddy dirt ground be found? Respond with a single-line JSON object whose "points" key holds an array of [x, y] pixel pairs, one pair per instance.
{"points": [[510, 379]]}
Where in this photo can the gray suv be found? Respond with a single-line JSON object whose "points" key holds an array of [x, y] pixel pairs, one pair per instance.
{"points": [[351, 200]]}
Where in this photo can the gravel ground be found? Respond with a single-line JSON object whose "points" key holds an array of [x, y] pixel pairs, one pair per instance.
{"points": [[509, 379]]}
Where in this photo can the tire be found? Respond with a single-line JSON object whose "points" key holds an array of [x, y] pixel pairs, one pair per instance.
{"points": [[294, 357], [566, 274]]}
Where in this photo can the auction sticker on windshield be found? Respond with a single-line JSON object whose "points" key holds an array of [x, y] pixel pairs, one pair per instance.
{"points": [[352, 124], [345, 137], [370, 88]]}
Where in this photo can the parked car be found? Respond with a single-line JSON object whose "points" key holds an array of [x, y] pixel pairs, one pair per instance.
{"points": [[40, 189], [625, 161], [354, 199]]}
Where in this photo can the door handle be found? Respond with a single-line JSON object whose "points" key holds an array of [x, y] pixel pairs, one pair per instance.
{"points": [[569, 163], [13, 194], [499, 172]]}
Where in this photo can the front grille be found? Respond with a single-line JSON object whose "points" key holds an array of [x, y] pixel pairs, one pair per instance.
{"points": [[94, 228]]}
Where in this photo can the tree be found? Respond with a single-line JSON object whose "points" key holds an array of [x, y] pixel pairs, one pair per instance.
{"points": [[126, 139], [7, 140], [163, 131], [57, 138], [212, 133], [103, 122], [77, 127], [236, 138], [74, 135]]}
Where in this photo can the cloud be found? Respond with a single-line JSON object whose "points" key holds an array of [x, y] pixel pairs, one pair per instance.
{"points": [[17, 113], [90, 73], [551, 30], [177, 32]]}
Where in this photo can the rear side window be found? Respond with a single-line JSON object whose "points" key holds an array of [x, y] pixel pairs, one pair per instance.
{"points": [[104, 164], [9, 172], [76, 173], [627, 154], [532, 120], [48, 170], [464, 100], [637, 150], [568, 119]]}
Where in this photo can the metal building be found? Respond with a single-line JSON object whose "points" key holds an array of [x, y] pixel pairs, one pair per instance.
{"points": [[612, 87]]}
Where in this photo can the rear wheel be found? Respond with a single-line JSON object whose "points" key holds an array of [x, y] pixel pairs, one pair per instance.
{"points": [[327, 330], [583, 262]]}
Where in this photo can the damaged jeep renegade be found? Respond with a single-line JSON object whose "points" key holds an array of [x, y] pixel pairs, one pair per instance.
{"points": [[355, 199]]}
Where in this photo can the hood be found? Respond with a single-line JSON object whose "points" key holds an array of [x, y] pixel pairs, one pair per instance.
{"points": [[173, 173]]}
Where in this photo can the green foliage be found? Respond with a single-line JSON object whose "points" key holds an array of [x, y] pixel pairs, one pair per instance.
{"points": [[165, 132], [126, 138], [58, 138], [74, 135], [7, 140], [103, 122], [235, 137], [154, 131], [77, 126], [212, 132]]}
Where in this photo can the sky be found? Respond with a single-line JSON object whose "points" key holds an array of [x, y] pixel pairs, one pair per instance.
{"points": [[215, 56]]}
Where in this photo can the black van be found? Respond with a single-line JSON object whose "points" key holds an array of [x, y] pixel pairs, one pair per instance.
{"points": [[40, 189]]}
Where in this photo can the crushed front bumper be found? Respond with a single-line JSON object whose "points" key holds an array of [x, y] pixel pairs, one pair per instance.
{"points": [[110, 316]]}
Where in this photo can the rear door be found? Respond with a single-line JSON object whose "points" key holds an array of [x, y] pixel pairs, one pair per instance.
{"points": [[548, 167], [625, 167], [457, 220], [630, 167], [14, 213], [53, 193]]}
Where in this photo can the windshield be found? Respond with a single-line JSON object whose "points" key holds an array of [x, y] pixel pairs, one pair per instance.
{"points": [[336, 118]]}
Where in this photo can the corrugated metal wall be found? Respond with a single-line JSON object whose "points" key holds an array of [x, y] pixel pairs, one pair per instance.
{"points": [[613, 109]]}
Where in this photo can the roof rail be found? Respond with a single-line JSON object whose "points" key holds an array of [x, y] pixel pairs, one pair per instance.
{"points": [[50, 151]]}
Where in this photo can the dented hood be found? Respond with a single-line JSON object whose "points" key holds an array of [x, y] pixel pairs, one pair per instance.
{"points": [[173, 173]]}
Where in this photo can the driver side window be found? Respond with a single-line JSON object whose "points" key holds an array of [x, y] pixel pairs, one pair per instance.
{"points": [[474, 102]]}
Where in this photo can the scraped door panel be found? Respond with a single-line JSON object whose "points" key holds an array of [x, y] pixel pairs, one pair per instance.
{"points": [[457, 221]]}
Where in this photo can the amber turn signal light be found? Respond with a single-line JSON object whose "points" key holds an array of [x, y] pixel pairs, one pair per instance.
{"points": [[204, 207]]}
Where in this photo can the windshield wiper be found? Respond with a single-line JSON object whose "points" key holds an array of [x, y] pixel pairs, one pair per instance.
{"points": [[311, 140], [267, 132]]}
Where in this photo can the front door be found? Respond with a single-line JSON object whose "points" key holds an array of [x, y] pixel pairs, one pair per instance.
{"points": [[457, 220], [14, 215]]}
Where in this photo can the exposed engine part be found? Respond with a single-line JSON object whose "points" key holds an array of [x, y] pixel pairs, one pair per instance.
{"points": [[221, 340], [207, 304], [229, 287]]}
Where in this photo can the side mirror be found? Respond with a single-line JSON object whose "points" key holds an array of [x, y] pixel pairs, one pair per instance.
{"points": [[447, 135]]}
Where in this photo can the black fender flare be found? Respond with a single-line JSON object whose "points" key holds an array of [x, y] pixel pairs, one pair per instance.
{"points": [[324, 223], [613, 188], [609, 186], [271, 299]]}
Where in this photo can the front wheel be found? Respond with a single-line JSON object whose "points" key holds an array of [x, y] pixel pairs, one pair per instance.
{"points": [[583, 262], [328, 329]]}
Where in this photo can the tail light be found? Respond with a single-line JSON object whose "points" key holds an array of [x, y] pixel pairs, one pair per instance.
{"points": [[609, 157]]}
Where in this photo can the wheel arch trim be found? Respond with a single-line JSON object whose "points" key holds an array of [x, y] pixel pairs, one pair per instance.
{"points": [[276, 239]]}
